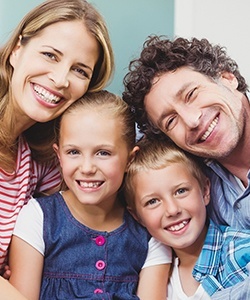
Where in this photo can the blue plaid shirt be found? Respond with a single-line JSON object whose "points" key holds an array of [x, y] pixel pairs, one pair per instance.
{"points": [[229, 204], [223, 261]]}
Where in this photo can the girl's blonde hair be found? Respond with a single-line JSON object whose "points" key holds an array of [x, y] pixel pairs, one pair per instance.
{"points": [[45, 14], [155, 154], [107, 103]]}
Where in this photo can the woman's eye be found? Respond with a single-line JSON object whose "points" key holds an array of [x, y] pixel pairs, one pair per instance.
{"points": [[81, 72], [49, 55]]}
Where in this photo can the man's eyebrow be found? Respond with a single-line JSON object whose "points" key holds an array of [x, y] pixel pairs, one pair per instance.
{"points": [[177, 95]]}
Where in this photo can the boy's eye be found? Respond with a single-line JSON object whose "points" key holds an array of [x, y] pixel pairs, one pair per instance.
{"points": [[151, 202], [181, 191]]}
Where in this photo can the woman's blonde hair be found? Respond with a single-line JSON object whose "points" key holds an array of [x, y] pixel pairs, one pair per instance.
{"points": [[45, 14]]}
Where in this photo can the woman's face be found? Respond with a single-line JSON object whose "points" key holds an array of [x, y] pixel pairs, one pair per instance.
{"points": [[52, 71]]}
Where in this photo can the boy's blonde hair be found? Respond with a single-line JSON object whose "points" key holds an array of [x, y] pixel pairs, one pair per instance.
{"points": [[154, 155]]}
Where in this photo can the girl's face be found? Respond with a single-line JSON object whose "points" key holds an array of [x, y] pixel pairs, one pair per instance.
{"points": [[52, 71], [172, 205], [93, 155]]}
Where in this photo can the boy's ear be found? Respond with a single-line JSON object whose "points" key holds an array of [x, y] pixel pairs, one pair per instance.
{"points": [[206, 193], [134, 215]]}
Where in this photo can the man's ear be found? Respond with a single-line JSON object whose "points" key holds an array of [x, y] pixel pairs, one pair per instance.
{"points": [[206, 192], [229, 80]]}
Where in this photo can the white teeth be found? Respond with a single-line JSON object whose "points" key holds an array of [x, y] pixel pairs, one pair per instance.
{"points": [[46, 95], [210, 129], [89, 184], [178, 226]]}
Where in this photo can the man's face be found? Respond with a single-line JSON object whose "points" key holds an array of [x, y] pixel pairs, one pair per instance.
{"points": [[202, 116]]}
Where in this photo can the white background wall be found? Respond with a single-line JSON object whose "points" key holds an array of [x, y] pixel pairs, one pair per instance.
{"points": [[224, 22]]}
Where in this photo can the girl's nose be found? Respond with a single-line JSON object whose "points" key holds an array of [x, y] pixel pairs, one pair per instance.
{"points": [[87, 166]]}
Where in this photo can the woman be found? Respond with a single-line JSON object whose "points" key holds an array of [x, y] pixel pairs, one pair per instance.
{"points": [[58, 52]]}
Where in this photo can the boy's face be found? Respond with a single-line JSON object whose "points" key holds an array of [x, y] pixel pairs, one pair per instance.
{"points": [[172, 205]]}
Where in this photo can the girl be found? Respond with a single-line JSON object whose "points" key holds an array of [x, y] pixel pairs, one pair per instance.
{"points": [[59, 50], [82, 243]]}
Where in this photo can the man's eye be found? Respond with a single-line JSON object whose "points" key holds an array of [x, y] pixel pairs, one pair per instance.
{"points": [[170, 123], [191, 94]]}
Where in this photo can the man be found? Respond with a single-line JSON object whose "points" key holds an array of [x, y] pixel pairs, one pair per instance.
{"points": [[192, 92]]}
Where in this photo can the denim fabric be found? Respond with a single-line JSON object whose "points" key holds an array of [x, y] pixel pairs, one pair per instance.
{"points": [[81, 263]]}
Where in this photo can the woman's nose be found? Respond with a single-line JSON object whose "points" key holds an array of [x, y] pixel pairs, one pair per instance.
{"points": [[60, 77]]}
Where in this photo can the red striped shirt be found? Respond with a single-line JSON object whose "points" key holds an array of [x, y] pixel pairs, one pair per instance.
{"points": [[17, 188]]}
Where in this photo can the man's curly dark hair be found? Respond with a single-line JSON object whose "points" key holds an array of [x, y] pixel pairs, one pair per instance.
{"points": [[160, 55]]}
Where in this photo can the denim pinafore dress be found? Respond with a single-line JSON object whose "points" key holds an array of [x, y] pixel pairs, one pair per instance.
{"points": [[81, 263]]}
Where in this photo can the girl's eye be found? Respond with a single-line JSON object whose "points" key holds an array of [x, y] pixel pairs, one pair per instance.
{"points": [[103, 153], [81, 72], [73, 152], [50, 55]]}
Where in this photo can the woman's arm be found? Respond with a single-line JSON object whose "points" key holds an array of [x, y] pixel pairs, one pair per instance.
{"points": [[26, 265], [153, 282]]}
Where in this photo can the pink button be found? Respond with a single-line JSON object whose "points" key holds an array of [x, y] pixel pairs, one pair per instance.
{"points": [[98, 291], [100, 240], [100, 264]]}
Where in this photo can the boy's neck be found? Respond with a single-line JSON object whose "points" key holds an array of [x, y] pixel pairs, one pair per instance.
{"points": [[187, 259], [189, 255]]}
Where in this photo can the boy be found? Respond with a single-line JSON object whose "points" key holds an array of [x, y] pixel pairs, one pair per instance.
{"points": [[168, 191]]}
